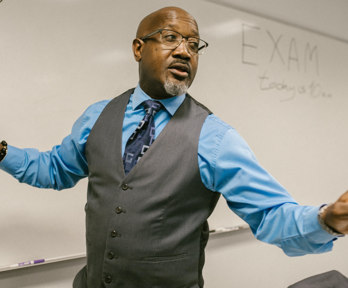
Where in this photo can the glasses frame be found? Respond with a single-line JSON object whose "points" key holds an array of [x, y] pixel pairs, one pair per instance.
{"points": [[183, 37]]}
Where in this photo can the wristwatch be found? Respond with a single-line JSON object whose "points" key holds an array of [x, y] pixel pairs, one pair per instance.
{"points": [[326, 227], [3, 151]]}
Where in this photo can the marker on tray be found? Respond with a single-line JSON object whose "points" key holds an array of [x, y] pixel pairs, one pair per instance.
{"points": [[27, 263], [41, 261]]}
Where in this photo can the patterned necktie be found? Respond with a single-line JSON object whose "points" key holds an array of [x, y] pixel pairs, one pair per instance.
{"points": [[142, 137]]}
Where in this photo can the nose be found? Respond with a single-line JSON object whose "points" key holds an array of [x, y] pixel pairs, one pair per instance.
{"points": [[182, 50]]}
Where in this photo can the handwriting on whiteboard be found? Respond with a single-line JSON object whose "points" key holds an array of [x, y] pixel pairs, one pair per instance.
{"points": [[290, 55], [298, 58], [313, 89]]}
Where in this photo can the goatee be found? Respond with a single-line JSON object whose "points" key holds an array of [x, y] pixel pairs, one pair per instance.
{"points": [[175, 89]]}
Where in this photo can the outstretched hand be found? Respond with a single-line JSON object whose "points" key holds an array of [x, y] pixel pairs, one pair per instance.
{"points": [[336, 215]]}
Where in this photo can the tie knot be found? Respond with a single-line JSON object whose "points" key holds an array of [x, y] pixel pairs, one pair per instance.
{"points": [[152, 107]]}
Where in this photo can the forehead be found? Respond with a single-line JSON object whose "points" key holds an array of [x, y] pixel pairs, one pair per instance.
{"points": [[181, 22]]}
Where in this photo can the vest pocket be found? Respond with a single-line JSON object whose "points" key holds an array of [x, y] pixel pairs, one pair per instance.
{"points": [[173, 271], [163, 258]]}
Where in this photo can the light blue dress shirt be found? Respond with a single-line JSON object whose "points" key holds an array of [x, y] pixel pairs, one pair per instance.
{"points": [[226, 163]]}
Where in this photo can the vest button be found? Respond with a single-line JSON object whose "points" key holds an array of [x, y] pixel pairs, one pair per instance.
{"points": [[108, 279], [113, 234], [125, 187], [111, 255], [118, 210]]}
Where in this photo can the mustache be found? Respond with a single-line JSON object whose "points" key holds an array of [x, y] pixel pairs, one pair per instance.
{"points": [[181, 61]]}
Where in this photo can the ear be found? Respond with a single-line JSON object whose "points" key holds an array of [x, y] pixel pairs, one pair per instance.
{"points": [[137, 48]]}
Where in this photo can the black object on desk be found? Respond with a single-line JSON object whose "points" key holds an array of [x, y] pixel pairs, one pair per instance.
{"points": [[331, 279]]}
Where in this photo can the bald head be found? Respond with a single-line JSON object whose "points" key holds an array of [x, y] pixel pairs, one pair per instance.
{"points": [[166, 71], [158, 18]]}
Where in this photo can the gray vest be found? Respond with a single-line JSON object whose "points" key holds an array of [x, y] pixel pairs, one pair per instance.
{"points": [[147, 229]]}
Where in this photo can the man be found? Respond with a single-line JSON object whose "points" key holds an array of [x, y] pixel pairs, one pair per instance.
{"points": [[146, 223]]}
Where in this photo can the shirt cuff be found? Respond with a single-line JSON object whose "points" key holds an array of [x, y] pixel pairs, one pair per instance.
{"points": [[13, 160], [313, 229]]}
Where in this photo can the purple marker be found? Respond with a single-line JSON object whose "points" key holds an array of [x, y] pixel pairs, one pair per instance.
{"points": [[28, 263], [42, 261]]}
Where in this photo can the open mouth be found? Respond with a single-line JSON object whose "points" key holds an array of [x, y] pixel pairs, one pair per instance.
{"points": [[178, 69]]}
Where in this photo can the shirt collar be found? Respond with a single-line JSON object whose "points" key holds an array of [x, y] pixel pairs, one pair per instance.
{"points": [[171, 104]]}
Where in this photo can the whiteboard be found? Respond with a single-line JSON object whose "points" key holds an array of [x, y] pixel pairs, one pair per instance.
{"points": [[282, 88]]}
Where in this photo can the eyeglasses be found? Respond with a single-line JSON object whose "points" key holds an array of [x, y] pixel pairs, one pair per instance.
{"points": [[173, 39]]}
